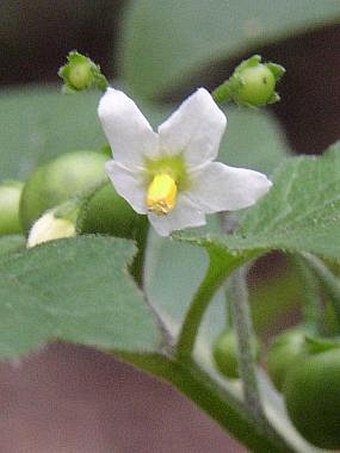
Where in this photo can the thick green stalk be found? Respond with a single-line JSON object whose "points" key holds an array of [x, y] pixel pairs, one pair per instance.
{"points": [[200, 388], [219, 269]]}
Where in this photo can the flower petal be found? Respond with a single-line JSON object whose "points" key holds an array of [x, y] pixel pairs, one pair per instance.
{"points": [[128, 184], [195, 129], [185, 215], [127, 130], [218, 187]]}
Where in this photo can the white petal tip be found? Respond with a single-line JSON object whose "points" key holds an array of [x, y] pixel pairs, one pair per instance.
{"points": [[264, 185], [110, 101]]}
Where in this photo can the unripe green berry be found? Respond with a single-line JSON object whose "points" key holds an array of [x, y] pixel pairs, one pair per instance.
{"points": [[312, 397], [80, 76], [10, 193], [226, 355], [66, 176], [256, 86], [284, 352], [252, 84], [106, 212]]}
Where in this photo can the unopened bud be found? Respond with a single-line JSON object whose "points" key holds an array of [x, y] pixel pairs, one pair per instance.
{"points": [[81, 73], [252, 84], [10, 193]]}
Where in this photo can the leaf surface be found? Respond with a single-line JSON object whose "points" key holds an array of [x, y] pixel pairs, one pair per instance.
{"points": [[300, 213], [75, 290]]}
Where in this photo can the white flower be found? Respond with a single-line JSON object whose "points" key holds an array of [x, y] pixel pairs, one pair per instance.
{"points": [[170, 175]]}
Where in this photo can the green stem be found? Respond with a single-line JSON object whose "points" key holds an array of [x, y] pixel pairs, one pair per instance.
{"points": [[242, 323], [313, 313], [217, 273], [222, 93], [327, 279], [225, 409]]}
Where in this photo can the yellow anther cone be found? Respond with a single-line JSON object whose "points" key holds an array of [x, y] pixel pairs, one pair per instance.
{"points": [[162, 194]]}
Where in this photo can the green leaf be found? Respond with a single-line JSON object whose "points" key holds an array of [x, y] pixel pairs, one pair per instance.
{"points": [[300, 213], [75, 290], [166, 42], [38, 124], [11, 243]]}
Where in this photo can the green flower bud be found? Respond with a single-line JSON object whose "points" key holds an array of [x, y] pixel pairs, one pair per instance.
{"points": [[80, 73], [252, 84], [10, 193]]}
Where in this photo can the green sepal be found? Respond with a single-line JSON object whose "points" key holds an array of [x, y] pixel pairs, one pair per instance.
{"points": [[277, 70], [317, 344]]}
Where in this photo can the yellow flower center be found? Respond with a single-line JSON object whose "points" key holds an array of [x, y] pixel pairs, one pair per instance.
{"points": [[162, 194]]}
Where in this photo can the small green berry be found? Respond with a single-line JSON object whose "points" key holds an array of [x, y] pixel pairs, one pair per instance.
{"points": [[106, 212], [10, 193], [64, 177], [257, 86], [285, 351], [252, 84], [312, 396]]}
